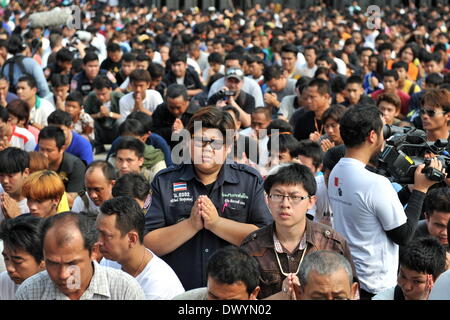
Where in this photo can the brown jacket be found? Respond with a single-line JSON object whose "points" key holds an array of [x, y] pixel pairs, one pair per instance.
{"points": [[260, 245]]}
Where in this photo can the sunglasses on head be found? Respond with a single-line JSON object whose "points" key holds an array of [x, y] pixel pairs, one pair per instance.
{"points": [[431, 113]]}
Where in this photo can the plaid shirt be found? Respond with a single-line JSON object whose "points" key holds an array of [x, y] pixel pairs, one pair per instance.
{"points": [[106, 284]]}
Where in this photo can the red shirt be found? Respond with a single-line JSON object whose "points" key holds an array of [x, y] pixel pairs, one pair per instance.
{"points": [[404, 97]]}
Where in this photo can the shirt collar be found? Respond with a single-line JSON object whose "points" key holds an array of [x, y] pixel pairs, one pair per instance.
{"points": [[38, 102], [225, 174]]}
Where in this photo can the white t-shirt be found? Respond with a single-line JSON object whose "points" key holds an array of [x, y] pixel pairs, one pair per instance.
{"points": [[158, 280], [387, 294], [78, 205], [40, 114], [323, 203], [23, 139], [152, 100], [365, 206], [441, 288], [306, 71], [262, 145], [7, 287]]}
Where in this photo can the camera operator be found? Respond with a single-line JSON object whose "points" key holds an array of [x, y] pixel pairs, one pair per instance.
{"points": [[366, 208], [233, 95]]}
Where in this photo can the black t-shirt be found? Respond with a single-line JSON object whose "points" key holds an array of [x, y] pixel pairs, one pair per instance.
{"points": [[306, 124], [113, 67], [72, 171]]}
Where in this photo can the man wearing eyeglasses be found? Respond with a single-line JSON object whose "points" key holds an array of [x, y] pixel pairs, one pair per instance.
{"points": [[435, 114], [281, 246], [206, 204]]}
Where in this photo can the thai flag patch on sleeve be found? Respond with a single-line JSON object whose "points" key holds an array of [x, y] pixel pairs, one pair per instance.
{"points": [[179, 186]]}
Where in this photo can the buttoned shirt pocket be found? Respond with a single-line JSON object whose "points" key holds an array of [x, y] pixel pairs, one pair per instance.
{"points": [[178, 214], [235, 213]]}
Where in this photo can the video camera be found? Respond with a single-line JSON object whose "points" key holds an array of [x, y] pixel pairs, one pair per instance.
{"points": [[405, 150]]}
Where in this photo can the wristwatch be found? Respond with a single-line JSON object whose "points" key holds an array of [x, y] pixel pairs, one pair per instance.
{"points": [[110, 114], [31, 122]]}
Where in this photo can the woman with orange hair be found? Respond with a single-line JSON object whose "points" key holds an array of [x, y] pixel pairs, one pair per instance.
{"points": [[45, 192]]}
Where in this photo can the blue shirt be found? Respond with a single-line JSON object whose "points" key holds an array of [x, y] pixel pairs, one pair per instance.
{"points": [[33, 69], [80, 147]]}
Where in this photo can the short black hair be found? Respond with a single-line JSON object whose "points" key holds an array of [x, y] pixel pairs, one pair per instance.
{"points": [[286, 142], [129, 57], [156, 70], [178, 56], [140, 75], [354, 79], [130, 143], [292, 174], [335, 112], [64, 55], [53, 133], [144, 118], [310, 149], [424, 255], [357, 123], [289, 47], [231, 264], [31, 82], [400, 65], [133, 127], [322, 86], [113, 47], [215, 57], [434, 80], [90, 56], [59, 117], [19, 109], [437, 200], [81, 221], [176, 90], [75, 96], [273, 72], [13, 160], [23, 233], [100, 82], [128, 215], [391, 73], [133, 185], [59, 80]]}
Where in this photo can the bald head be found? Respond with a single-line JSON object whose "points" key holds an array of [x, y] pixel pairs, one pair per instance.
{"points": [[102, 168], [68, 227]]}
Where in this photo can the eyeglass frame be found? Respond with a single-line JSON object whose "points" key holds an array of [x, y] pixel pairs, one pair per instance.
{"points": [[431, 113], [296, 200], [205, 142]]}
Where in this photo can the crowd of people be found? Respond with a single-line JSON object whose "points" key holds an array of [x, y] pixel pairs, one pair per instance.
{"points": [[185, 154]]}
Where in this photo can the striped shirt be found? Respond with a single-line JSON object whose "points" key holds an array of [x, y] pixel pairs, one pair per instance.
{"points": [[105, 284]]}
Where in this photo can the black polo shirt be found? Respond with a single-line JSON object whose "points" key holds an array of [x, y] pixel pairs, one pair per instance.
{"points": [[163, 121], [237, 194], [306, 124], [81, 83], [72, 171]]}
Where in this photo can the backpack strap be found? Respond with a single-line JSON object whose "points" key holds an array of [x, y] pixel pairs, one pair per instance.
{"points": [[412, 88], [12, 62]]}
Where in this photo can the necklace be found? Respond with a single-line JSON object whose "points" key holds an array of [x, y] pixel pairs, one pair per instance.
{"points": [[317, 126], [298, 268]]}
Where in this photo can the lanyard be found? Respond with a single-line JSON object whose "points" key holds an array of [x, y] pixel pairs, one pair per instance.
{"points": [[299, 264]]}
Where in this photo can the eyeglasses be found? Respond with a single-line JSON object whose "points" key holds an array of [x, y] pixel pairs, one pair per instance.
{"points": [[431, 113], [201, 142], [278, 198]]}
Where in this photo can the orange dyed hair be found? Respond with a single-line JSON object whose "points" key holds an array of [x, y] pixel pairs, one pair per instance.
{"points": [[43, 185]]}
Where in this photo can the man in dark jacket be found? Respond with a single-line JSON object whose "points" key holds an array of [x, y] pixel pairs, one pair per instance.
{"points": [[174, 114]]}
